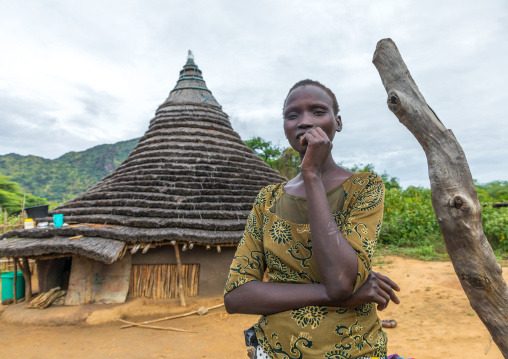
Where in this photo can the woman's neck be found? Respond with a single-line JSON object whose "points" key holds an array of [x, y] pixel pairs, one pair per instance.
{"points": [[332, 175]]}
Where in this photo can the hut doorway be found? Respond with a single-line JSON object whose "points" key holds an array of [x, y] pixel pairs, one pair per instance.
{"points": [[53, 273], [160, 281]]}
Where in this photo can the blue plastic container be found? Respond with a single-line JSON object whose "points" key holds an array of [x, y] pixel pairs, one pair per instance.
{"points": [[7, 284], [58, 220]]}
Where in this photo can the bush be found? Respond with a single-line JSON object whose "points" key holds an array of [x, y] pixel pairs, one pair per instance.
{"points": [[409, 218], [495, 226]]}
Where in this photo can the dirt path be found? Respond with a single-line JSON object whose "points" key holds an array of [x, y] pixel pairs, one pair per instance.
{"points": [[434, 320]]}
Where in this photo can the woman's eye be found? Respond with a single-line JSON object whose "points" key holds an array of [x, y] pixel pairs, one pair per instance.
{"points": [[291, 116], [319, 112]]}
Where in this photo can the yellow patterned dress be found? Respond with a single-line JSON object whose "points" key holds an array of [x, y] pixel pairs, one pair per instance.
{"points": [[282, 244]]}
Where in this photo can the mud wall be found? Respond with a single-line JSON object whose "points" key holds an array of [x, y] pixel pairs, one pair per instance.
{"points": [[213, 266]]}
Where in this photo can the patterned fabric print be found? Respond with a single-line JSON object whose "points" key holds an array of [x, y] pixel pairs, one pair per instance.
{"points": [[378, 229], [278, 271], [275, 193], [281, 232], [235, 284], [266, 218], [364, 310], [296, 345], [301, 253], [254, 260], [242, 241], [350, 335], [339, 218], [286, 250], [309, 316], [252, 227], [338, 354], [380, 345], [260, 198]]}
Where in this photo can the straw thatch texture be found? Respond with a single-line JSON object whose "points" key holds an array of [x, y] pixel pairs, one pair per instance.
{"points": [[101, 249], [190, 179]]}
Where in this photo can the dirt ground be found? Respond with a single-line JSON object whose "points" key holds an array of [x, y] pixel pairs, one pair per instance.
{"points": [[434, 320]]}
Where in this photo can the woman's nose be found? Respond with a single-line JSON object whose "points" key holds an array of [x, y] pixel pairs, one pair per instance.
{"points": [[305, 121]]}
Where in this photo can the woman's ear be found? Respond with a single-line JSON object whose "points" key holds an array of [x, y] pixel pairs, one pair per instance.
{"points": [[338, 122]]}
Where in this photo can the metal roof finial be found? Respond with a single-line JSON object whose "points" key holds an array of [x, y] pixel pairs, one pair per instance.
{"points": [[190, 55]]}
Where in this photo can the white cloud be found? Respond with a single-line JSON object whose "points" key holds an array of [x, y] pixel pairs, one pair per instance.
{"points": [[77, 74]]}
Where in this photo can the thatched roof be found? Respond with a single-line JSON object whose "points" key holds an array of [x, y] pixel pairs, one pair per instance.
{"points": [[190, 179]]}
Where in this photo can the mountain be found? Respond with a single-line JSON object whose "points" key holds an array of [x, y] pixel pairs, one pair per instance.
{"points": [[63, 178]]}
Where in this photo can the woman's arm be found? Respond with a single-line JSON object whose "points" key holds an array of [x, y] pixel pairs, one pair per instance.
{"points": [[264, 298], [336, 260]]}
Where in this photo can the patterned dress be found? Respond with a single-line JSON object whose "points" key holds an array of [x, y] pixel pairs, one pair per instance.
{"points": [[283, 246]]}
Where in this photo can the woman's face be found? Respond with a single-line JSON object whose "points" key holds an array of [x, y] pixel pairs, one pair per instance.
{"points": [[308, 107]]}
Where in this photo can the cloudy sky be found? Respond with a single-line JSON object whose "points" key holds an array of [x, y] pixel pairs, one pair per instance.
{"points": [[75, 74]]}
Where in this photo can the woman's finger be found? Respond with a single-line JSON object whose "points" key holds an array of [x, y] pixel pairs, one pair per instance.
{"points": [[322, 133], [394, 298], [387, 280], [384, 294], [381, 302], [307, 138], [388, 289]]}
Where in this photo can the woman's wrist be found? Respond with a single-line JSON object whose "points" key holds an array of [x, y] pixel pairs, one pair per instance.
{"points": [[310, 176]]}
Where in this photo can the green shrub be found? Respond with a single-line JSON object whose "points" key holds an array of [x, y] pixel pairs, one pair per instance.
{"points": [[409, 218], [495, 226]]}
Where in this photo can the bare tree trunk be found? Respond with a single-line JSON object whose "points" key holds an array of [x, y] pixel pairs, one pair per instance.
{"points": [[454, 196]]}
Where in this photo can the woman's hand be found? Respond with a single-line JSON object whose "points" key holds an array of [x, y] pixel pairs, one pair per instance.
{"points": [[319, 148], [376, 289]]}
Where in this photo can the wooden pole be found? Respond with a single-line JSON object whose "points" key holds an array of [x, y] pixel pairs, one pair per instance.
{"points": [[14, 284], [180, 276], [454, 196], [27, 274]]}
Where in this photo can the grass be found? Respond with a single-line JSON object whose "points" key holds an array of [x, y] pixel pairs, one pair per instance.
{"points": [[435, 252]]}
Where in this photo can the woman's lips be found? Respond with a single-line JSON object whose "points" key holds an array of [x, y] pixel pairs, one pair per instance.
{"points": [[303, 140]]}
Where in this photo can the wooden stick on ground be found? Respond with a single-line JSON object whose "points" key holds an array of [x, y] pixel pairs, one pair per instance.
{"points": [[171, 317], [454, 195], [180, 276], [160, 328]]}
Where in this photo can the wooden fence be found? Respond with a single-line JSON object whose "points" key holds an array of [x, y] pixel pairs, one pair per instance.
{"points": [[160, 281], [5, 226]]}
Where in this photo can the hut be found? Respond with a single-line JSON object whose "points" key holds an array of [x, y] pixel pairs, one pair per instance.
{"points": [[181, 197]]}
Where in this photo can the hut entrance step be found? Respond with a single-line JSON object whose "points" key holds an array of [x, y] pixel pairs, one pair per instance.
{"points": [[160, 281]]}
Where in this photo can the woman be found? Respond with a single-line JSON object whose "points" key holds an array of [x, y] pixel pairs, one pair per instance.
{"points": [[319, 300]]}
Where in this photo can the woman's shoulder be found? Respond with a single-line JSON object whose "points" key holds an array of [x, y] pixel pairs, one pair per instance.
{"points": [[268, 194]]}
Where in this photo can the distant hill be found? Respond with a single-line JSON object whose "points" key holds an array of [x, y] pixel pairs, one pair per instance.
{"points": [[63, 178]]}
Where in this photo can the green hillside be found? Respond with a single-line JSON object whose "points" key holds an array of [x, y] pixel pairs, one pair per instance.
{"points": [[63, 178]]}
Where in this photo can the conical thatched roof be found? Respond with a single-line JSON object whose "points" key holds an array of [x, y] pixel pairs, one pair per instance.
{"points": [[190, 179]]}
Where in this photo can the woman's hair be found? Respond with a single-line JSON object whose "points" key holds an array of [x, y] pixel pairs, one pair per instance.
{"points": [[308, 82]]}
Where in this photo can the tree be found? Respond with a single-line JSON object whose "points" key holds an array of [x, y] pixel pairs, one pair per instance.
{"points": [[11, 196], [263, 149], [389, 181], [454, 195], [287, 163]]}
